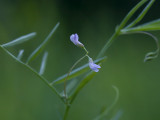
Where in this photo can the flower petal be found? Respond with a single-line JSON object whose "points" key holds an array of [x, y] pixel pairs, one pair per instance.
{"points": [[74, 38], [93, 66]]}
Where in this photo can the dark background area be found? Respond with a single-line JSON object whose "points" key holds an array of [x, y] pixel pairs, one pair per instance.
{"points": [[24, 97]]}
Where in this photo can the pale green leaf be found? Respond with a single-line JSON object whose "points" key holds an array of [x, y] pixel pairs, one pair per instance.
{"points": [[142, 14], [43, 63], [20, 40], [20, 54]]}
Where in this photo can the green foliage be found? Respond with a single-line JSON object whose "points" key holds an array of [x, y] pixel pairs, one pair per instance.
{"points": [[142, 14], [121, 29]]}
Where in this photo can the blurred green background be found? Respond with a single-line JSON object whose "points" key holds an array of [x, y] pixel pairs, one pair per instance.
{"points": [[24, 97]]}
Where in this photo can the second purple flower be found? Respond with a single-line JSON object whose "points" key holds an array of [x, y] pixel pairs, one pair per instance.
{"points": [[93, 66]]}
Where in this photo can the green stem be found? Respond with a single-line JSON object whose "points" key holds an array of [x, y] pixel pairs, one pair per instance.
{"points": [[85, 50], [31, 69], [65, 82], [107, 45], [117, 32], [66, 112]]}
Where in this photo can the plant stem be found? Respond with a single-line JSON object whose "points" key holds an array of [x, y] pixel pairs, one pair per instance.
{"points": [[31, 69], [65, 82], [117, 32], [66, 112], [107, 45]]}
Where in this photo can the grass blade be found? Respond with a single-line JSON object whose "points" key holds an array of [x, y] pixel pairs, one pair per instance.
{"points": [[20, 40], [39, 49], [43, 64], [77, 72]]}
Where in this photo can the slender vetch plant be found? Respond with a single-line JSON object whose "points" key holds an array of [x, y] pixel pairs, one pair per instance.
{"points": [[69, 94]]}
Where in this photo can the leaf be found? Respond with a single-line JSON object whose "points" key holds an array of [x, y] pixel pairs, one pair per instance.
{"points": [[150, 26], [142, 14], [20, 40], [43, 64], [130, 14], [20, 55], [39, 49], [76, 72]]}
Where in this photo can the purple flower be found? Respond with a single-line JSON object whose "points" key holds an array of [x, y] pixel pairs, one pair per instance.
{"points": [[93, 66], [74, 38]]}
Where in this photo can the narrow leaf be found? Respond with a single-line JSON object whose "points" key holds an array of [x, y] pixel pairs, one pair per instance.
{"points": [[33, 71], [43, 64], [20, 55], [20, 40], [150, 26], [77, 72], [39, 49], [143, 13], [130, 14]]}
